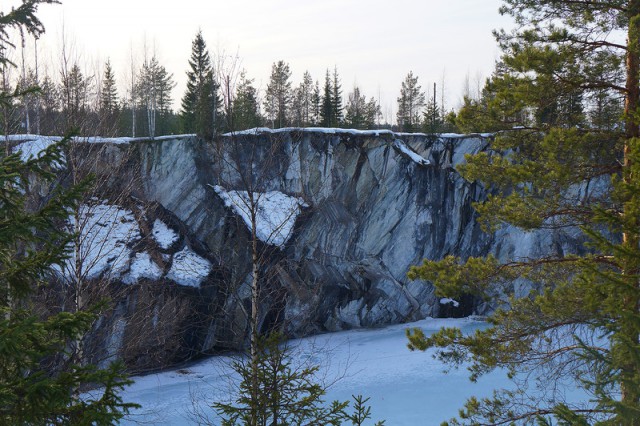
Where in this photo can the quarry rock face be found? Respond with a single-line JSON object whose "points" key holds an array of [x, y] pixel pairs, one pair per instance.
{"points": [[340, 217]]}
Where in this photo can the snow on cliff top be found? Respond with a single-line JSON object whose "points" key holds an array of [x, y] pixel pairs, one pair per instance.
{"points": [[336, 130], [411, 154], [276, 212]]}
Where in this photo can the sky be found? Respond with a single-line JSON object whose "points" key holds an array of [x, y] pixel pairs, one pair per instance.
{"points": [[373, 43]]}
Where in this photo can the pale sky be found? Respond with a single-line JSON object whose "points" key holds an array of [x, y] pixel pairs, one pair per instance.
{"points": [[373, 43]]}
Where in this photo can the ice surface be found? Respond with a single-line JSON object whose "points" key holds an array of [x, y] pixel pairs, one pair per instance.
{"points": [[406, 388], [276, 213], [163, 235], [142, 267], [188, 268]]}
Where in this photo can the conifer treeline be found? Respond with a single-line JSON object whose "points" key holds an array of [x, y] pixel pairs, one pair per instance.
{"points": [[93, 105], [217, 101]]}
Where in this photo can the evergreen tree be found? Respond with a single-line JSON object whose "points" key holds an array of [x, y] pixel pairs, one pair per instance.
{"points": [[303, 102], [201, 104], [154, 91], [49, 106], [246, 113], [336, 100], [327, 114], [278, 96], [285, 394], [25, 104], [605, 110], [75, 92], [32, 391], [433, 121], [315, 105], [410, 104], [31, 245], [581, 322], [297, 119], [360, 114], [282, 394], [108, 101]]}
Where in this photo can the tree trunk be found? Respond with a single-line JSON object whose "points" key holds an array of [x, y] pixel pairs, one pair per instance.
{"points": [[255, 298]]}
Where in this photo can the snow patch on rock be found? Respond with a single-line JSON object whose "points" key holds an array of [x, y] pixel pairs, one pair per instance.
{"points": [[142, 267], [276, 213], [105, 234], [164, 236], [447, 300], [188, 268], [409, 153], [34, 148]]}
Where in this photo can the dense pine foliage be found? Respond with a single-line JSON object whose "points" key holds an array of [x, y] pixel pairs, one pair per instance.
{"points": [[571, 163]]}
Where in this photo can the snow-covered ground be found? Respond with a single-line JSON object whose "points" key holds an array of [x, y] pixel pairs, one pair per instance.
{"points": [[406, 388]]}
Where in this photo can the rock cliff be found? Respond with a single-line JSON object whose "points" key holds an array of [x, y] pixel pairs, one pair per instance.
{"points": [[341, 216]]}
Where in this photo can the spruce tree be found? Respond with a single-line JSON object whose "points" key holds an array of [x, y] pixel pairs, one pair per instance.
{"points": [[201, 104], [336, 100], [433, 121], [316, 105], [246, 113], [31, 246], [33, 391], [581, 322], [75, 90], [326, 112], [108, 101]]}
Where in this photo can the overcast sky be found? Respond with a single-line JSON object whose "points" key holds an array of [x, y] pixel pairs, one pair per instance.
{"points": [[373, 43]]}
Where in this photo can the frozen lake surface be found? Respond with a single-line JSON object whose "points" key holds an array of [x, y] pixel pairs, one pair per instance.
{"points": [[405, 388]]}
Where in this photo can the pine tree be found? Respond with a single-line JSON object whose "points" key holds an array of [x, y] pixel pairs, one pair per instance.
{"points": [[360, 114], [410, 104], [302, 104], [278, 96], [201, 104], [581, 322], [154, 91]]}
